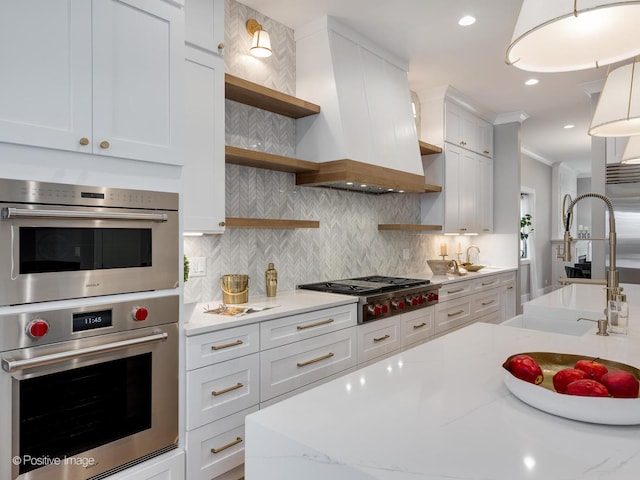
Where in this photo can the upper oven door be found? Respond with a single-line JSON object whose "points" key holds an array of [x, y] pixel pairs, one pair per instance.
{"points": [[54, 253]]}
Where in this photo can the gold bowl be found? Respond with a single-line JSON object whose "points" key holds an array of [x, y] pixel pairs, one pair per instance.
{"points": [[470, 267]]}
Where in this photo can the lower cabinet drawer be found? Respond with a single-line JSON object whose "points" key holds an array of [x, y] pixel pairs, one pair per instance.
{"points": [[292, 366], [453, 314], [378, 338], [216, 447], [418, 326], [493, 317], [219, 390], [486, 302]]}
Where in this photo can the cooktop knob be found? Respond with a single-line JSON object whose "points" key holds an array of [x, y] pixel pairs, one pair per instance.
{"points": [[140, 314], [37, 328], [377, 310], [385, 308], [398, 304]]}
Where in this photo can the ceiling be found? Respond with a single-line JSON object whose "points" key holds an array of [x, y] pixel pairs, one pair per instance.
{"points": [[470, 59]]}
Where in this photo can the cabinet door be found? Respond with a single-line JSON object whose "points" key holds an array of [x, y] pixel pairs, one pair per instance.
{"points": [[417, 326], [203, 172], [460, 127], [484, 186], [137, 88], [45, 85], [204, 25], [484, 134]]}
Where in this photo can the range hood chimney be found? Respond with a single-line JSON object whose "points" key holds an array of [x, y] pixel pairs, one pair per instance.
{"points": [[365, 135]]}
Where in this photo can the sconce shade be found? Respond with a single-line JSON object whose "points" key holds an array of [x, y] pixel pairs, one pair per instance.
{"points": [[260, 41], [631, 153], [617, 113], [550, 36]]}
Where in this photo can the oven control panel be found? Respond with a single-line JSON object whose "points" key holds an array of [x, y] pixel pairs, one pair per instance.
{"points": [[383, 306]]}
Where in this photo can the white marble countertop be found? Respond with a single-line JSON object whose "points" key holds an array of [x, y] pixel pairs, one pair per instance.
{"points": [[448, 279], [441, 411], [282, 305]]}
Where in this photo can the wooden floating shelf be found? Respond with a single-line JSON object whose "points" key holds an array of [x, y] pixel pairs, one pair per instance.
{"points": [[432, 188], [409, 227], [250, 93], [428, 149], [275, 223], [253, 158]]}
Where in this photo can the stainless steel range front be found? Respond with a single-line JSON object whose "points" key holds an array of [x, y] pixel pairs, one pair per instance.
{"points": [[380, 296], [87, 389]]}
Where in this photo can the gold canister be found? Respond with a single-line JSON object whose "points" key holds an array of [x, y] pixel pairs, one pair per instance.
{"points": [[271, 280], [235, 288]]}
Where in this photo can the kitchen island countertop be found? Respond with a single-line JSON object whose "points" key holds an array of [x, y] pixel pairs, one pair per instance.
{"points": [[441, 411]]}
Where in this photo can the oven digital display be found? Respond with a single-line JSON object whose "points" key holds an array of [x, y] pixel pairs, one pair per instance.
{"points": [[90, 320]]}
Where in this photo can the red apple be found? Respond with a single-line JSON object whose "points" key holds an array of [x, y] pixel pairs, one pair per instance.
{"points": [[525, 368], [621, 384], [565, 376], [587, 388], [593, 369]]}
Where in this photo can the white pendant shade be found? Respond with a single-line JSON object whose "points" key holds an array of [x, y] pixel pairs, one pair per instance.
{"points": [[550, 37], [631, 154], [261, 44], [617, 113]]}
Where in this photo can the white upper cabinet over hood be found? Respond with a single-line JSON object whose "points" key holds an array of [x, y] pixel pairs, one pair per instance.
{"points": [[366, 107]]}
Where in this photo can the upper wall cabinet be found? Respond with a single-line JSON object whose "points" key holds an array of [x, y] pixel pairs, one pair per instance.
{"points": [[467, 130], [101, 77], [204, 25]]}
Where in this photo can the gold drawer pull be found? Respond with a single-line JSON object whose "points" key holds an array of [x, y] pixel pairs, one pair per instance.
{"points": [[238, 385], [228, 445], [317, 324], [423, 324], [84, 141], [509, 288], [488, 303], [456, 290], [104, 144], [488, 283], [227, 345], [314, 360], [453, 314], [379, 339]]}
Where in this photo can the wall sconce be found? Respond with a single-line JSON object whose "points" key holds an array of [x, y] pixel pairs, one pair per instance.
{"points": [[260, 42], [631, 153], [568, 35], [617, 113]]}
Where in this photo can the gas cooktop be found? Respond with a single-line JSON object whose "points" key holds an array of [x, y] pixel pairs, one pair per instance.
{"points": [[365, 285]]}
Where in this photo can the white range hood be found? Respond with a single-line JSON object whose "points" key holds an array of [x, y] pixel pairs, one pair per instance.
{"points": [[365, 135]]}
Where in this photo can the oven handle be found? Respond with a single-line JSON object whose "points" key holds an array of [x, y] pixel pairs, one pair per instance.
{"points": [[11, 212], [11, 366]]}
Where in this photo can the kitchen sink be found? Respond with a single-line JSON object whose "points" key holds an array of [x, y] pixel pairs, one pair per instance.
{"points": [[550, 324]]}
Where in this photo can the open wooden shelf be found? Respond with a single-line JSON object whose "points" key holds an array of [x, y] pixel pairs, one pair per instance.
{"points": [[432, 188], [253, 158], [275, 223], [250, 93], [410, 227], [428, 149]]}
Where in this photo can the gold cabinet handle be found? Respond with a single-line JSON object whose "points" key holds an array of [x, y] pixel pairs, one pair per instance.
{"points": [[226, 345], [453, 314], [457, 290], [486, 152], [104, 144], [238, 385], [316, 324], [487, 303], [509, 288], [221, 46], [379, 339], [423, 324], [314, 360], [488, 283], [221, 224], [228, 445], [84, 141]]}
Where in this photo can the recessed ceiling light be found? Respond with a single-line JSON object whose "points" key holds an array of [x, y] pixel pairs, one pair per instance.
{"points": [[568, 126], [531, 81], [466, 21]]}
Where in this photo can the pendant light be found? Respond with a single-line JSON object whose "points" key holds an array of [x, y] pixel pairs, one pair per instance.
{"points": [[631, 153], [617, 113], [568, 35]]}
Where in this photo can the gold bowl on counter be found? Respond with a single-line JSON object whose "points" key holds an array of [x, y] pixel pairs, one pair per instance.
{"points": [[471, 267]]}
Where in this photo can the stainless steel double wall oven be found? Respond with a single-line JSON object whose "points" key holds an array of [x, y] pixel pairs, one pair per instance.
{"points": [[89, 335]]}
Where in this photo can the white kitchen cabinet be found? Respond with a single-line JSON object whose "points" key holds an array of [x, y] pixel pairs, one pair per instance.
{"points": [[508, 300], [169, 466], [484, 131], [378, 339], [453, 314], [484, 194], [203, 177], [417, 327], [466, 130], [204, 25], [101, 76]]}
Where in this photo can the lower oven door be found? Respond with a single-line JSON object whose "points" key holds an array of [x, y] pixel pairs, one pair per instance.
{"points": [[85, 407]]}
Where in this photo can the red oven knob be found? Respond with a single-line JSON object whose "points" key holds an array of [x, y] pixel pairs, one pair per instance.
{"points": [[415, 301], [421, 299], [37, 328], [140, 314], [377, 310], [397, 304], [385, 308]]}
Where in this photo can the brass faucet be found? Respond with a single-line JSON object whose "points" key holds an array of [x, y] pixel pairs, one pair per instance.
{"points": [[469, 248], [613, 284]]}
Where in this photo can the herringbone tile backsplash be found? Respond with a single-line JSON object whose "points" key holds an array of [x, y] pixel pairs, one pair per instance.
{"points": [[348, 242]]}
